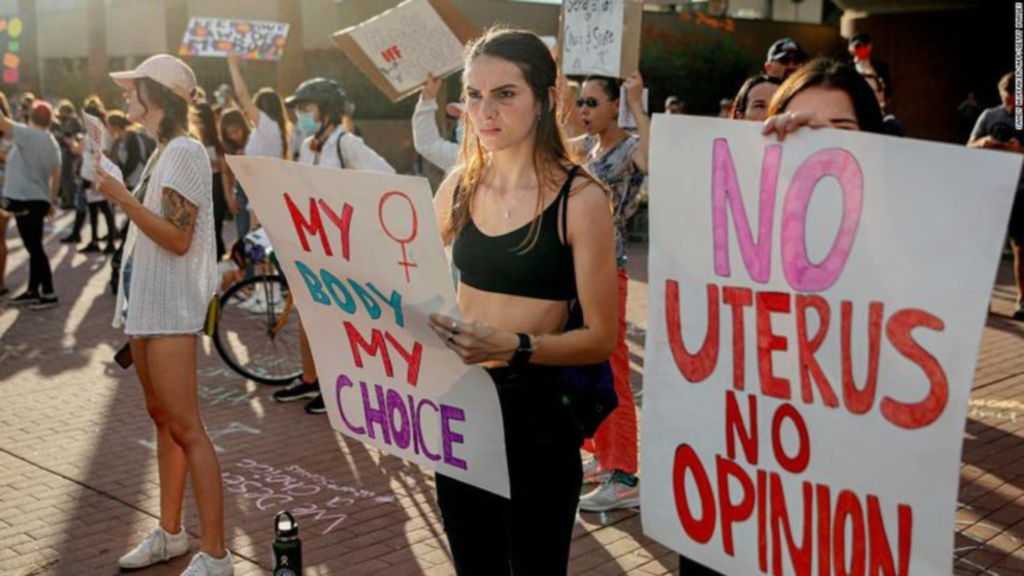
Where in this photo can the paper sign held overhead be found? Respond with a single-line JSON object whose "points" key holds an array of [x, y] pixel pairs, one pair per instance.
{"points": [[363, 256], [398, 48], [250, 39], [600, 37], [809, 355]]}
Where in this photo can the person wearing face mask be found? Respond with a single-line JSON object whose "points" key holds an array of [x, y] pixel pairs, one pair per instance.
{"points": [[619, 161], [319, 106], [426, 137], [752, 100], [862, 52]]}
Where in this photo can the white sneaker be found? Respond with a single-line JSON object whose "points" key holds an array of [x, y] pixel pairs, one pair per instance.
{"points": [[612, 494], [160, 546], [593, 473], [205, 565]]}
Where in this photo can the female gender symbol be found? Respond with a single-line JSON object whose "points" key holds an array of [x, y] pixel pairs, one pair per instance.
{"points": [[406, 263]]}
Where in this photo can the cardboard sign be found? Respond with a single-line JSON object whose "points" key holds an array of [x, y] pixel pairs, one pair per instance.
{"points": [[94, 139], [250, 39], [816, 311], [398, 48], [601, 37], [365, 263]]}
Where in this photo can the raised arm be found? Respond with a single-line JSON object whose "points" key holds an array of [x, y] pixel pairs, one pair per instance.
{"points": [[242, 91], [634, 85]]}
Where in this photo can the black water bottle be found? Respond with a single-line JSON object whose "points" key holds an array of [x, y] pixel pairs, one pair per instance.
{"points": [[287, 547]]}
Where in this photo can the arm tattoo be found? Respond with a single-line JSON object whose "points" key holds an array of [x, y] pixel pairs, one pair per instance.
{"points": [[179, 211]]}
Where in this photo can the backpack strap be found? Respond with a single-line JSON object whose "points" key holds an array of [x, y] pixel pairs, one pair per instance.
{"points": [[337, 146]]}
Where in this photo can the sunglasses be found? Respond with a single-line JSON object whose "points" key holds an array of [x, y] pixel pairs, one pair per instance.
{"points": [[787, 60], [588, 103]]}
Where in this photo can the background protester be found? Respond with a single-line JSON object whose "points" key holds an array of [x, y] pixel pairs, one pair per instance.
{"points": [[268, 135], [862, 51], [995, 130], [619, 161], [673, 105], [93, 106], [131, 150], [234, 135], [320, 107], [210, 137], [752, 100], [68, 132], [784, 57], [426, 137], [531, 234], [31, 182], [967, 114], [169, 275], [25, 102]]}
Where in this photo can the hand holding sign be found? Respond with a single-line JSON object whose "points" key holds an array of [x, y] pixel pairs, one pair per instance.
{"points": [[789, 122], [475, 343]]}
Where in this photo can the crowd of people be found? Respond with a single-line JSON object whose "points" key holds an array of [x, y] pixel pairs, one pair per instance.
{"points": [[542, 179]]}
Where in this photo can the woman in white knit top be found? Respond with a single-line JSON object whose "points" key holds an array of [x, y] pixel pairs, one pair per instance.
{"points": [[168, 280]]}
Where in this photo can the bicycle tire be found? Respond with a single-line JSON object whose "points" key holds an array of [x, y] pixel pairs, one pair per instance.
{"points": [[225, 341]]}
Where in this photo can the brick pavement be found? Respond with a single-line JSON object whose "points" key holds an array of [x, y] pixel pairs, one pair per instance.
{"points": [[78, 482]]}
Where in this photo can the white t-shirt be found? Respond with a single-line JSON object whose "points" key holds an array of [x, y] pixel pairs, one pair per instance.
{"points": [[356, 154], [265, 138], [170, 293]]}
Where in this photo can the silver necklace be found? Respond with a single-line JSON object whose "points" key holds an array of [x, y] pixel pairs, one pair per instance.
{"points": [[504, 207]]}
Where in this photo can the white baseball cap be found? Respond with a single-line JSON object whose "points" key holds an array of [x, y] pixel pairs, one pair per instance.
{"points": [[168, 71]]}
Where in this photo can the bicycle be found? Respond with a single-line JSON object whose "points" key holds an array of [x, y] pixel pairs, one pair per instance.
{"points": [[257, 335]]}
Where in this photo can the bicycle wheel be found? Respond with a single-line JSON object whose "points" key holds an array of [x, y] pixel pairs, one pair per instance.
{"points": [[258, 332]]}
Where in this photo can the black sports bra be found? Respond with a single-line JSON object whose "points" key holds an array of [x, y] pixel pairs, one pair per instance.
{"points": [[498, 264]]}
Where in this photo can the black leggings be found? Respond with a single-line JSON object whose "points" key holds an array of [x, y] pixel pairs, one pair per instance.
{"points": [[30, 216], [531, 533], [108, 215]]}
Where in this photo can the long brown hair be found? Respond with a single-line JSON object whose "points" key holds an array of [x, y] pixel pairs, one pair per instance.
{"points": [[835, 75], [176, 120], [551, 153]]}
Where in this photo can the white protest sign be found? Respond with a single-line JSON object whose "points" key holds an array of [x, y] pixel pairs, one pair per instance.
{"points": [[816, 310], [94, 130], [251, 39], [600, 37], [399, 48], [363, 257]]}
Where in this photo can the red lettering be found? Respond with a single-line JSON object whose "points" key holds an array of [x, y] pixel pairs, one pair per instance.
{"points": [[928, 410], [848, 508], [762, 520], [798, 463], [343, 224], [879, 552], [412, 360], [800, 556], [703, 529], [376, 344], [824, 530], [860, 401], [694, 367], [314, 225], [809, 367], [734, 427], [738, 299], [733, 512], [768, 342]]}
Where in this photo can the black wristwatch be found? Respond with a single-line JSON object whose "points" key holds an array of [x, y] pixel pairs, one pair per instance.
{"points": [[521, 357]]}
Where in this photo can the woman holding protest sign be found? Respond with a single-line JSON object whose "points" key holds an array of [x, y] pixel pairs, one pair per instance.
{"points": [[319, 105], [824, 93], [167, 282], [532, 235], [619, 160]]}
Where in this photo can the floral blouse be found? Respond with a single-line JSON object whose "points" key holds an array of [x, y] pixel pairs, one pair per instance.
{"points": [[617, 171]]}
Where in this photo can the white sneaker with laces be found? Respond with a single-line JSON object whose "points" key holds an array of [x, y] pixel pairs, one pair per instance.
{"points": [[592, 471], [612, 494], [160, 546], [205, 565]]}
